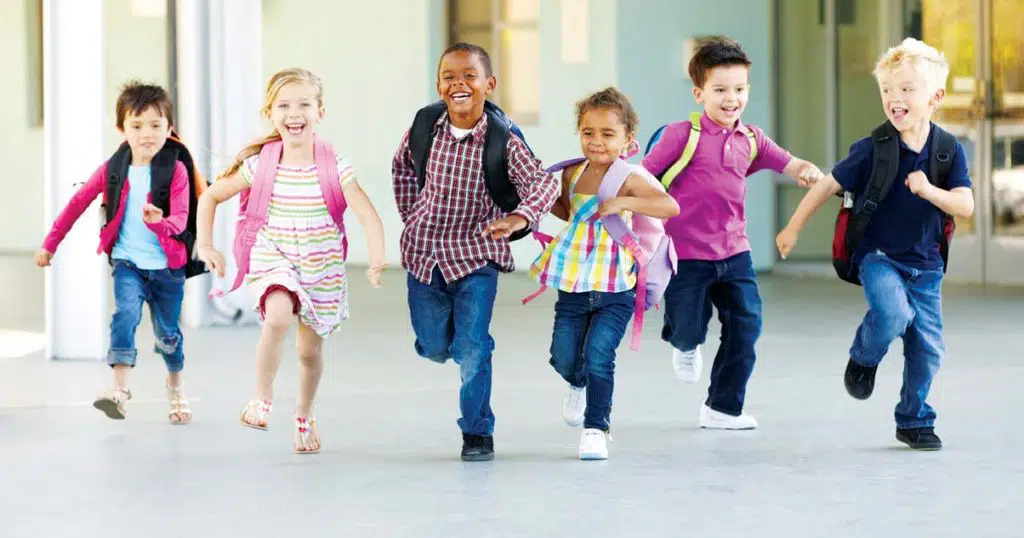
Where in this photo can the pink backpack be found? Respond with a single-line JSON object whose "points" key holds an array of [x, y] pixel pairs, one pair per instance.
{"points": [[653, 251], [255, 201]]}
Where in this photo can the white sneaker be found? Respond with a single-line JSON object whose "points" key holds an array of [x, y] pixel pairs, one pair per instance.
{"points": [[573, 405], [687, 364], [709, 418], [593, 445]]}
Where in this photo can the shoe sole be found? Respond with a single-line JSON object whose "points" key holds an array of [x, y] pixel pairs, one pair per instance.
{"points": [[930, 447], [728, 428], [478, 457], [109, 408], [573, 423], [593, 457]]}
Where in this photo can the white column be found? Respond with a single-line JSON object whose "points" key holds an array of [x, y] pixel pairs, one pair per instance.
{"points": [[220, 70], [76, 285], [193, 85]]}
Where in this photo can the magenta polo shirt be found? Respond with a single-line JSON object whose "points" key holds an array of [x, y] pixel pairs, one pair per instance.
{"points": [[712, 189]]}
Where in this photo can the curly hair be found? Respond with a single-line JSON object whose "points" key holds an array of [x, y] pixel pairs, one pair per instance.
{"points": [[610, 98]]}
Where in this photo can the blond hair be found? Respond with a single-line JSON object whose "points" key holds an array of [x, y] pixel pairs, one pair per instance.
{"points": [[277, 81], [921, 57]]}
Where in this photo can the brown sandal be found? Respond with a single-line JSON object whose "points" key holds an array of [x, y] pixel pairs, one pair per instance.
{"points": [[113, 403]]}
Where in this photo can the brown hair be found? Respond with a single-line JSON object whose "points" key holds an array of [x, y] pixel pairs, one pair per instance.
{"points": [[136, 97], [612, 98], [277, 81], [715, 51]]}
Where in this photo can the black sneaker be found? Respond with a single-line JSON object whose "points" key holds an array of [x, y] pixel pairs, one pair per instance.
{"points": [[477, 447], [860, 380], [919, 438]]}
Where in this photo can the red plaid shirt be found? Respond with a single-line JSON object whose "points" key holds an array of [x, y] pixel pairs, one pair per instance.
{"points": [[444, 221]]}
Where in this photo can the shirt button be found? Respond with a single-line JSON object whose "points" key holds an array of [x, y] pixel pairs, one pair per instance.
{"points": [[727, 146], [725, 131]]}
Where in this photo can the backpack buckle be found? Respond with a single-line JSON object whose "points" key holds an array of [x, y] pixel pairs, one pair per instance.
{"points": [[943, 157], [870, 205]]}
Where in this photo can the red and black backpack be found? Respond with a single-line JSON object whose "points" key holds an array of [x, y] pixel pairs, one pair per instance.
{"points": [[854, 216]]}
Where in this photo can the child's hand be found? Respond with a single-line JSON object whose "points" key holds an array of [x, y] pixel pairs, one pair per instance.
{"points": [[809, 175], [918, 183], [43, 258], [152, 214], [505, 227], [786, 240], [213, 259], [374, 273], [613, 206]]}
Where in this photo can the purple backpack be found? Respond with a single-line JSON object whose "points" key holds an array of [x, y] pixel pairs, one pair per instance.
{"points": [[652, 249]]}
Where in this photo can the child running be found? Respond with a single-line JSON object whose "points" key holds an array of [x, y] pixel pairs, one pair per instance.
{"points": [[595, 277], [147, 206], [290, 246]]}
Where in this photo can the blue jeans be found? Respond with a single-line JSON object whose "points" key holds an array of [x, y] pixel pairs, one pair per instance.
{"points": [[163, 290], [451, 320], [903, 302], [588, 329], [729, 285]]}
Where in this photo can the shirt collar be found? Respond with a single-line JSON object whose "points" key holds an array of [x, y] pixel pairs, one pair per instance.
{"points": [[479, 132], [707, 125], [922, 156]]}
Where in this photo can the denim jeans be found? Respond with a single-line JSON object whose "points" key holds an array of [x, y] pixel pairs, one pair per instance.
{"points": [[588, 329], [730, 286], [451, 320], [163, 290], [903, 302]]}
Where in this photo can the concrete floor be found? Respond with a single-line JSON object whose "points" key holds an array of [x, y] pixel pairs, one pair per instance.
{"points": [[821, 464]]}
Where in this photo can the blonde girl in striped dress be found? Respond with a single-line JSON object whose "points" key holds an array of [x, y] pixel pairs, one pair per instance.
{"points": [[595, 278], [297, 265]]}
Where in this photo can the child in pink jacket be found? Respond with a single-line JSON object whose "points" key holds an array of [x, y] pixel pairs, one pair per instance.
{"points": [[142, 242]]}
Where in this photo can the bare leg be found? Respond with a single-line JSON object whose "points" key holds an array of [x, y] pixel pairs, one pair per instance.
{"points": [[278, 308], [309, 348]]}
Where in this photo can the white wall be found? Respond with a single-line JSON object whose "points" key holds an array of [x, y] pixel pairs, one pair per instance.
{"points": [[21, 144]]}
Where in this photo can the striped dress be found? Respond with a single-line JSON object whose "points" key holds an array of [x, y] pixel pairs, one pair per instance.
{"points": [[300, 248], [583, 257]]}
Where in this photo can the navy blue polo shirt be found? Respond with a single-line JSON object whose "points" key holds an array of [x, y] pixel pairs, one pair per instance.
{"points": [[906, 227]]}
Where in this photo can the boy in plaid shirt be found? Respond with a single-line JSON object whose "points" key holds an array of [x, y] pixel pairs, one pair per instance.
{"points": [[455, 240]]}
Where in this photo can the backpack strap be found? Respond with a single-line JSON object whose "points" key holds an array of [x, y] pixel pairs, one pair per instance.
{"points": [[885, 164], [691, 147], [421, 137], [161, 175], [940, 161], [753, 142], [499, 128], [624, 236], [330, 184], [117, 171], [255, 212]]}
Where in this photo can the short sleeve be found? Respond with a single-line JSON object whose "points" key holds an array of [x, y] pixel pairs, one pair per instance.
{"points": [[248, 169], [346, 173], [958, 174], [853, 172], [770, 156]]}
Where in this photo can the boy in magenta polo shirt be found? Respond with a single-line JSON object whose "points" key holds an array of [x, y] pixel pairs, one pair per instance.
{"points": [[715, 267]]}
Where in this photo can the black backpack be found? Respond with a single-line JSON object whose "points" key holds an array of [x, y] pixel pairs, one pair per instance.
{"points": [[495, 165], [853, 218], [162, 172]]}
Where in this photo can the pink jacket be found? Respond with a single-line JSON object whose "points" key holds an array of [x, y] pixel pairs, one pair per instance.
{"points": [[96, 186]]}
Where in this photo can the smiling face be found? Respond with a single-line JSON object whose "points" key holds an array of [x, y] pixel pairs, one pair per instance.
{"points": [[725, 93], [146, 134], [603, 135], [464, 83], [295, 111], [907, 97]]}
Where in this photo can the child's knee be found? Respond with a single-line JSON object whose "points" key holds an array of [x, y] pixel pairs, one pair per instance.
{"points": [[278, 306], [168, 345]]}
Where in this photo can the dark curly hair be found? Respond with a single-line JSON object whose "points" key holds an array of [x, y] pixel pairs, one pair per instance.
{"points": [[612, 98]]}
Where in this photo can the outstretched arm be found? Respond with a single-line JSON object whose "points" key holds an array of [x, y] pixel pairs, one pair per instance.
{"points": [[221, 191], [369, 219]]}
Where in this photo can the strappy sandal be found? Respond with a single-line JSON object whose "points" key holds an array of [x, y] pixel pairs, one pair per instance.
{"points": [[258, 410], [113, 403], [180, 413], [306, 428]]}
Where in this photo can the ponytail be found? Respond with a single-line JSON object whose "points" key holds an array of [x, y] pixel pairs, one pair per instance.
{"points": [[249, 151]]}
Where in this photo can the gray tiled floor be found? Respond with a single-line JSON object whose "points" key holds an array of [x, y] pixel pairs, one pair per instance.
{"points": [[821, 464]]}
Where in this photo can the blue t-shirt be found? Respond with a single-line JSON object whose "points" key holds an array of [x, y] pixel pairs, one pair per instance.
{"points": [[906, 227], [135, 241]]}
